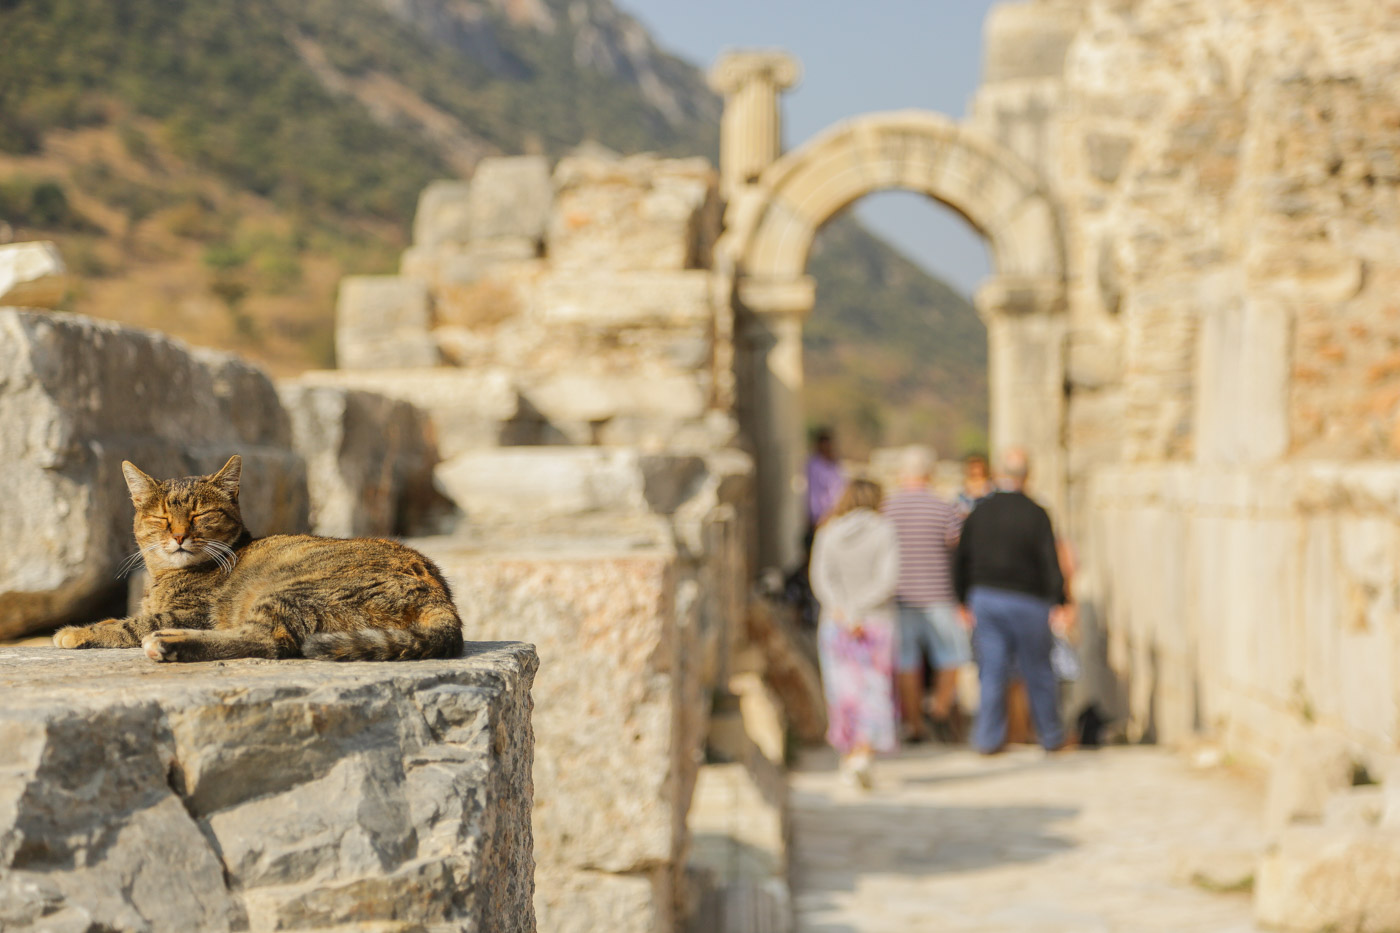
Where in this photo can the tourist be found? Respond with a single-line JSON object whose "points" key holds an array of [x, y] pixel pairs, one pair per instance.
{"points": [[977, 483], [855, 569], [1007, 576], [927, 528], [825, 478]]}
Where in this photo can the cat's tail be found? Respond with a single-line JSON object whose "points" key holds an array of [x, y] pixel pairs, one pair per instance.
{"points": [[437, 633]]}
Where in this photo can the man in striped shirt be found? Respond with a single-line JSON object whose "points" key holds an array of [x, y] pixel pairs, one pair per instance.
{"points": [[927, 528]]}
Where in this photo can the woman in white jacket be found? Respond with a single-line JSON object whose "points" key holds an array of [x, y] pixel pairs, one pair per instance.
{"points": [[854, 571]]}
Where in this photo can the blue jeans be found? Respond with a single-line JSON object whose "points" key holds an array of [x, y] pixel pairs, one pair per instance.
{"points": [[1013, 632]]}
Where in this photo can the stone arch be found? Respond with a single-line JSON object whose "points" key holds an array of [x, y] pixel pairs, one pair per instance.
{"points": [[999, 195], [770, 223]]}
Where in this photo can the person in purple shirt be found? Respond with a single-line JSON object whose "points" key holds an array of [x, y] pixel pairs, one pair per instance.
{"points": [[825, 478]]}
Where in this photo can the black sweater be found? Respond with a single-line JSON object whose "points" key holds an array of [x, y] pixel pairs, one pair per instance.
{"points": [[1007, 543]]}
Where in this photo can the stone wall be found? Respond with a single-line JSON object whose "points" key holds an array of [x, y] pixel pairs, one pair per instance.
{"points": [[1231, 200], [284, 795]]}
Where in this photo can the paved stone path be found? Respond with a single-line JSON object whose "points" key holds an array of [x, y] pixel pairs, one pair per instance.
{"points": [[1084, 842]]}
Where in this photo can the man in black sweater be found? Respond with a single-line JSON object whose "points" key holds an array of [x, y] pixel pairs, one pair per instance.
{"points": [[1007, 573]]}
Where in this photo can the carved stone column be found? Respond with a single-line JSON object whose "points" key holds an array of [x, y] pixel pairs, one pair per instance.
{"points": [[773, 315], [1026, 329], [750, 136]]}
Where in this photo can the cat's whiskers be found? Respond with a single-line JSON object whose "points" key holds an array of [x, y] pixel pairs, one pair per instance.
{"points": [[223, 555], [129, 564]]}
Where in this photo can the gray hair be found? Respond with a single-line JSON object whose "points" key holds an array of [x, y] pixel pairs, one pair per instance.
{"points": [[916, 462]]}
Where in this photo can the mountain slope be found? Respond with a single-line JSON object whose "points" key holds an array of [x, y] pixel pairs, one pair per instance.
{"points": [[213, 168]]}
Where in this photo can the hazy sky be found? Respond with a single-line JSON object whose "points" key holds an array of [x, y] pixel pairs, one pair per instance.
{"points": [[857, 56]]}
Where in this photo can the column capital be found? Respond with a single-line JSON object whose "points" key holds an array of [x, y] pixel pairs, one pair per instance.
{"points": [[733, 70], [1017, 296], [795, 296]]}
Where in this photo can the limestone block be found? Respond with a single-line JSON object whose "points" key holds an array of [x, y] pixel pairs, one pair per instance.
{"points": [[369, 459], [612, 772], [464, 263], [581, 394], [1027, 40], [444, 214], [467, 408], [383, 322], [510, 197], [275, 796], [1321, 878], [32, 275], [1312, 766], [631, 300], [542, 482], [78, 396], [634, 214]]}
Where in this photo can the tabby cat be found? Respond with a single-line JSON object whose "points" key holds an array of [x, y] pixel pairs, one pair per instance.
{"points": [[216, 592]]}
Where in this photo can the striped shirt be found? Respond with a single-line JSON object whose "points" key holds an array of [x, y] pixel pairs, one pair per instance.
{"points": [[928, 529]]}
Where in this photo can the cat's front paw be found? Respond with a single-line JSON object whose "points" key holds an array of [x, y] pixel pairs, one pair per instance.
{"points": [[165, 645], [73, 636]]}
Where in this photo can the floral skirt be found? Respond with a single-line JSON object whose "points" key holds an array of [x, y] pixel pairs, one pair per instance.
{"points": [[858, 678]]}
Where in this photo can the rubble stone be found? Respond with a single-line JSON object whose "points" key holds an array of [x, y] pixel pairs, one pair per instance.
{"points": [[510, 197], [1322, 878]]}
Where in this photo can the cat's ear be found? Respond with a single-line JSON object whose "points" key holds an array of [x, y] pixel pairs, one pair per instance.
{"points": [[141, 486], [227, 477]]}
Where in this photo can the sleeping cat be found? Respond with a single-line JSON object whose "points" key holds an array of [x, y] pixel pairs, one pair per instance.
{"points": [[216, 592]]}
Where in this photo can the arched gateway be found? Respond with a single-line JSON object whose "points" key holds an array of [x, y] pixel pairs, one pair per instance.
{"points": [[776, 204]]}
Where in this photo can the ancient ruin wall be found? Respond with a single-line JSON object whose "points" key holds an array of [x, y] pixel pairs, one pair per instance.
{"points": [[1231, 195]]}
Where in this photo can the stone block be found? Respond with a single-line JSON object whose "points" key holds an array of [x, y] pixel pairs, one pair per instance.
{"points": [[638, 213], [275, 796], [369, 459], [510, 197], [582, 394], [464, 263], [1355, 807], [1312, 766], [1321, 878], [444, 214], [467, 408], [383, 322], [78, 396], [613, 769], [32, 275], [625, 301], [534, 483]]}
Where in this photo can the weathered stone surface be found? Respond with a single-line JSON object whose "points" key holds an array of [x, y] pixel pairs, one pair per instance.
{"points": [[444, 214], [1312, 767], [451, 264], [613, 766], [32, 275], [542, 482], [467, 409], [383, 322], [510, 197], [77, 397], [1321, 878], [1355, 807], [273, 796], [369, 459], [635, 213]]}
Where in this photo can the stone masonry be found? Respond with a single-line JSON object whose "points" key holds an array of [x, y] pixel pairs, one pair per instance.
{"points": [[260, 796]]}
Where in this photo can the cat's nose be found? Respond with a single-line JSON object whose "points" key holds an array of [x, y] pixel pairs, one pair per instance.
{"points": [[179, 538]]}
